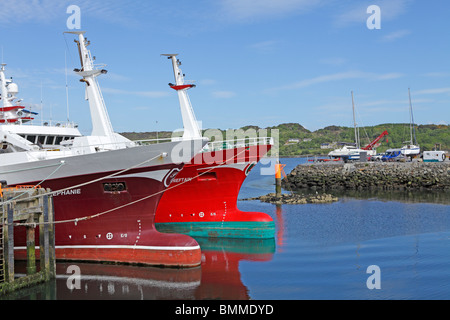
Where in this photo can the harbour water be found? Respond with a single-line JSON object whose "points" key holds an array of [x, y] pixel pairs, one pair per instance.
{"points": [[321, 251]]}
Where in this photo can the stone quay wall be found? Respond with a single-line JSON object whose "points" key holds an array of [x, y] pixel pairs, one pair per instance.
{"points": [[370, 175]]}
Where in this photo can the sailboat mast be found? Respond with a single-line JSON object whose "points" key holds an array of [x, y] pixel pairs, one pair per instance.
{"points": [[410, 116], [411, 120], [354, 123]]}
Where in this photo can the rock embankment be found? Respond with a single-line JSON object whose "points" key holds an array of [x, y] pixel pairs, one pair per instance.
{"points": [[294, 198], [370, 175]]}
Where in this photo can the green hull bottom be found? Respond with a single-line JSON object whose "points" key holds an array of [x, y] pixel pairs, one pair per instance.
{"points": [[245, 229]]}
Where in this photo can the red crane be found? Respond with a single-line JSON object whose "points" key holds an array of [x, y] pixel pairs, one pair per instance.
{"points": [[374, 142]]}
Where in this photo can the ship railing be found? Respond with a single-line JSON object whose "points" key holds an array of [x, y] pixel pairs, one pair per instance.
{"points": [[50, 123], [216, 145], [152, 141], [237, 143], [68, 149]]}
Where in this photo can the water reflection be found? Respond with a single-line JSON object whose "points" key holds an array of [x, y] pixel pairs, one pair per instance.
{"points": [[404, 196], [218, 277], [221, 277], [280, 226]]}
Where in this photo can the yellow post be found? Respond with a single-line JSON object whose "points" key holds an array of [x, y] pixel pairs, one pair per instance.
{"points": [[278, 180]]}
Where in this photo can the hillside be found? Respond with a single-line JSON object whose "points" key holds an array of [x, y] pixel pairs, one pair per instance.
{"points": [[295, 140]]}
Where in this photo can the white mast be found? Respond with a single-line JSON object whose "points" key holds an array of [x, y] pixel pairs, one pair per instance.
{"points": [[411, 119], [354, 123], [101, 124], [8, 91], [5, 98], [191, 128]]}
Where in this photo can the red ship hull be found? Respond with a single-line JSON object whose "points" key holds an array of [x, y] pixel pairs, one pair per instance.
{"points": [[126, 234], [202, 200]]}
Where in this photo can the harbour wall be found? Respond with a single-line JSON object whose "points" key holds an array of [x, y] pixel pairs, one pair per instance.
{"points": [[370, 175]]}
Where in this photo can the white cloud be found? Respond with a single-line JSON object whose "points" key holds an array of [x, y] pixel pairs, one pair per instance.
{"points": [[223, 94], [335, 61], [148, 94], [433, 91], [207, 82], [264, 46], [244, 10], [437, 74], [46, 11], [386, 76], [337, 77], [396, 35]]}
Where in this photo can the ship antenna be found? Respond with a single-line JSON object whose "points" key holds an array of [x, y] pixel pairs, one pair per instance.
{"points": [[67, 87], [42, 108]]}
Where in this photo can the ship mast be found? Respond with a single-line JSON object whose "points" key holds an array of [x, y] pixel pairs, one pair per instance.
{"points": [[191, 128], [101, 124], [4, 90]]}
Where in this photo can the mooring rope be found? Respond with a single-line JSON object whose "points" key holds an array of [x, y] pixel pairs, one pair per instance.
{"points": [[85, 183], [75, 220], [34, 187]]}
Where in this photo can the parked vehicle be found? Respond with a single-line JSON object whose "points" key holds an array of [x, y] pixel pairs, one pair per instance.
{"points": [[377, 157], [391, 155], [434, 156]]}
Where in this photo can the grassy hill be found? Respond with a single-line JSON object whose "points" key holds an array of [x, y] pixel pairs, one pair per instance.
{"points": [[295, 140]]}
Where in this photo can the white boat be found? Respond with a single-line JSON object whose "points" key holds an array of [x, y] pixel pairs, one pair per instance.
{"points": [[105, 187], [352, 152]]}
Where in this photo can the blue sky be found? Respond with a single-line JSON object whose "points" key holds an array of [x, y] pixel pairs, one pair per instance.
{"points": [[254, 62]]}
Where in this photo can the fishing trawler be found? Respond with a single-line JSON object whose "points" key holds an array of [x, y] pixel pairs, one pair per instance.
{"points": [[105, 187], [202, 199]]}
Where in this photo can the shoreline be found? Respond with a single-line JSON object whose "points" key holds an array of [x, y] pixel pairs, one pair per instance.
{"points": [[295, 198], [370, 175]]}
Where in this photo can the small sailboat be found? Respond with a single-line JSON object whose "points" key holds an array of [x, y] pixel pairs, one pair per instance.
{"points": [[352, 152], [411, 148]]}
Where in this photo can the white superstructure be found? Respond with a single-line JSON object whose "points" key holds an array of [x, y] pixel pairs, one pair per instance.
{"points": [[33, 152], [17, 130]]}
